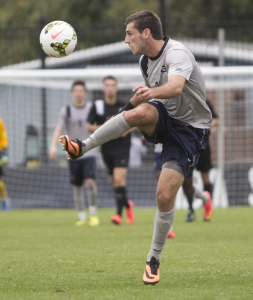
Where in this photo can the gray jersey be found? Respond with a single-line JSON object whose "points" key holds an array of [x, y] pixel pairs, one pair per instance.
{"points": [[175, 59], [74, 120]]}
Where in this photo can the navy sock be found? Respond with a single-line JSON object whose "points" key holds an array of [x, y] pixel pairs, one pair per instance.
{"points": [[121, 199], [209, 188], [190, 201]]}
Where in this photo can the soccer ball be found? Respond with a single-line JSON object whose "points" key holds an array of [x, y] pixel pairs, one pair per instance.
{"points": [[58, 39]]}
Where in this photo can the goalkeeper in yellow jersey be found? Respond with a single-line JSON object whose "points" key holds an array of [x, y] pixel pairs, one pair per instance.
{"points": [[3, 161]]}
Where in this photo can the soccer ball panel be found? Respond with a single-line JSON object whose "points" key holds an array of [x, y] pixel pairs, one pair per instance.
{"points": [[58, 39]]}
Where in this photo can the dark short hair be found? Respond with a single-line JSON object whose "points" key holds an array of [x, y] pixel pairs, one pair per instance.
{"points": [[147, 19], [109, 77], [78, 82]]}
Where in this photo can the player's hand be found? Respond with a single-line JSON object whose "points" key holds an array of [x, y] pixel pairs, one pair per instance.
{"points": [[143, 92], [53, 153], [144, 141], [124, 135]]}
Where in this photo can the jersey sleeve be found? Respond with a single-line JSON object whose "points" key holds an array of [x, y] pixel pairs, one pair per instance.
{"points": [[179, 63], [62, 118], [92, 116]]}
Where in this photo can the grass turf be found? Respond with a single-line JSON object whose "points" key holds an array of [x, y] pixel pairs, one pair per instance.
{"points": [[44, 256]]}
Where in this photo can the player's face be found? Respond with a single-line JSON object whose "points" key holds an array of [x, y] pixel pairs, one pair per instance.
{"points": [[78, 92], [134, 39], [110, 87]]}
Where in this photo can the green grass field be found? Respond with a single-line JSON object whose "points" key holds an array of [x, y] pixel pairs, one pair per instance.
{"points": [[44, 256]]}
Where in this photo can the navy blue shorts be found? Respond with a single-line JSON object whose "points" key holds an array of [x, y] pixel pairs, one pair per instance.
{"points": [[204, 164], [81, 169], [157, 162], [180, 142]]}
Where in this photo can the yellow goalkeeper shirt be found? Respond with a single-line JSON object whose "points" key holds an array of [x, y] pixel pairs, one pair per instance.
{"points": [[3, 135]]}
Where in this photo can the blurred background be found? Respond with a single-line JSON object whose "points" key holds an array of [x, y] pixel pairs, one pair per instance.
{"points": [[218, 33]]}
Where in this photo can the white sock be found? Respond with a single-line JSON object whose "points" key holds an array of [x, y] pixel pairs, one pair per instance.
{"points": [[201, 195], [91, 191], [92, 210], [78, 195], [111, 130], [82, 215], [162, 224]]}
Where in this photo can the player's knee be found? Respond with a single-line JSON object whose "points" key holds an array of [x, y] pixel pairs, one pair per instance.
{"points": [[163, 198], [89, 181], [136, 116], [118, 181]]}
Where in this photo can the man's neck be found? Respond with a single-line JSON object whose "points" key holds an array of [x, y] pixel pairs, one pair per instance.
{"points": [[154, 48], [79, 103], [110, 100]]}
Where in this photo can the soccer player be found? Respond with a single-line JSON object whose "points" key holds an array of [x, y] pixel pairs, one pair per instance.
{"points": [[73, 118], [170, 109], [116, 152], [204, 165], [3, 161]]}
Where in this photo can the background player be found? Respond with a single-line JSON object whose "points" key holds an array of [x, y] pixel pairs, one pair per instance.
{"points": [[3, 161], [116, 152], [178, 117], [137, 150], [73, 118], [204, 165]]}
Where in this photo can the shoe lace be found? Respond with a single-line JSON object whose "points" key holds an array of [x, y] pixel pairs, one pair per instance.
{"points": [[154, 265]]}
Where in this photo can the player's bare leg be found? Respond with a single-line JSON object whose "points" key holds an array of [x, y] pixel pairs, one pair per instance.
{"points": [[171, 234], [168, 185]]}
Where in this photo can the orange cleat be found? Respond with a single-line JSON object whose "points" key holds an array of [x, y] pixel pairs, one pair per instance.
{"points": [[208, 208], [73, 148], [151, 274], [116, 219], [130, 212], [171, 235]]}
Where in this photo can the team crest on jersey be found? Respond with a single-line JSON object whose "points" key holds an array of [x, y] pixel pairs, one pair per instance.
{"points": [[164, 69]]}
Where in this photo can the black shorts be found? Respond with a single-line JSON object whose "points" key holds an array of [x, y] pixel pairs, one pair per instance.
{"points": [[204, 165], [115, 161], [1, 171], [180, 142], [81, 169]]}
